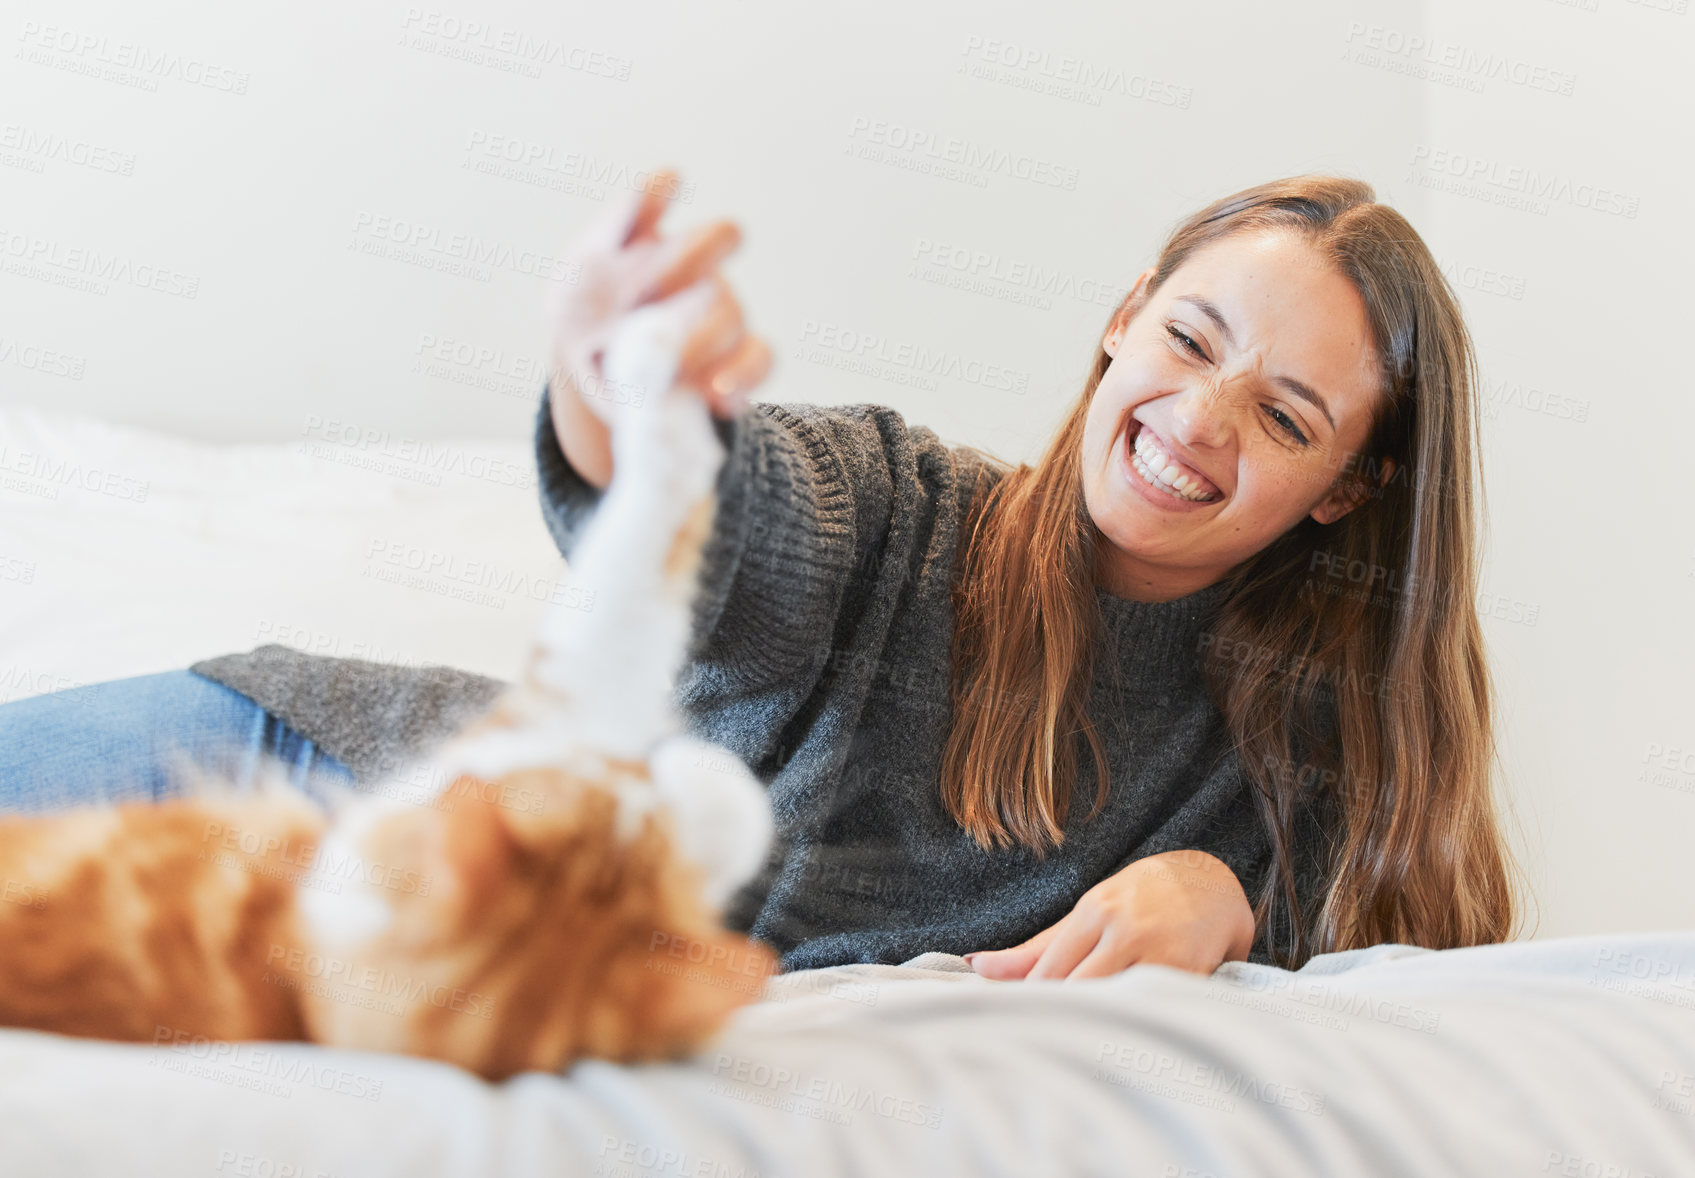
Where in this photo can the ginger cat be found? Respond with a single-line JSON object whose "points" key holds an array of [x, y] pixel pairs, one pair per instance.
{"points": [[560, 896]]}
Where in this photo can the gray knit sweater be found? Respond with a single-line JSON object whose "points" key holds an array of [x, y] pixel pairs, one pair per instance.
{"points": [[820, 655]]}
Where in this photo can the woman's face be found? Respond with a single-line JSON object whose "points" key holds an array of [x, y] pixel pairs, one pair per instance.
{"points": [[1248, 380]]}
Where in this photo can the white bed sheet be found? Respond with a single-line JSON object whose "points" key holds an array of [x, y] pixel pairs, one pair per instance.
{"points": [[1563, 1057]]}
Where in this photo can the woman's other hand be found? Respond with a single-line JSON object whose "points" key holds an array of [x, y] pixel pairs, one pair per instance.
{"points": [[1185, 909], [623, 263]]}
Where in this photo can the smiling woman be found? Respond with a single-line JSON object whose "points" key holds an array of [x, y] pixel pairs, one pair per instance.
{"points": [[1254, 407], [914, 646]]}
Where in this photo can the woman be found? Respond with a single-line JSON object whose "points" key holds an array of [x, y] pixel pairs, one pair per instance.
{"points": [[915, 646]]}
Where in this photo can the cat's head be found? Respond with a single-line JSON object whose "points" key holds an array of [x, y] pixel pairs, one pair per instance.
{"points": [[551, 913]]}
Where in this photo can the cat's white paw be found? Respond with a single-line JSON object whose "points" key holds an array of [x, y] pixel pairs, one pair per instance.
{"points": [[722, 812], [643, 351]]}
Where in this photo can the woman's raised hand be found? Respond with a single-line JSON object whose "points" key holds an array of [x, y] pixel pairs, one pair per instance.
{"points": [[623, 263]]}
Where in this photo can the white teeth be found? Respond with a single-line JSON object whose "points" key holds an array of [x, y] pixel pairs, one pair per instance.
{"points": [[1159, 469]]}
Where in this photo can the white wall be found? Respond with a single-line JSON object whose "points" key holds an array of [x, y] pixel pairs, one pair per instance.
{"points": [[1581, 201], [262, 199], [354, 112]]}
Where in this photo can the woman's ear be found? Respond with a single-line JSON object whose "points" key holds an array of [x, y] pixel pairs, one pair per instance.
{"points": [[1348, 492], [1127, 308]]}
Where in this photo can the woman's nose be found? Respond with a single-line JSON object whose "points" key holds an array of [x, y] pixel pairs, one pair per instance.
{"points": [[1203, 413]]}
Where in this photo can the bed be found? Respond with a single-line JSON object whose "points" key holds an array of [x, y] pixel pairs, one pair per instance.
{"points": [[124, 552]]}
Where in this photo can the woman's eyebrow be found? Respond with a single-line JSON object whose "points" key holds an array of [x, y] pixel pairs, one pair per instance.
{"points": [[1300, 389], [1213, 313]]}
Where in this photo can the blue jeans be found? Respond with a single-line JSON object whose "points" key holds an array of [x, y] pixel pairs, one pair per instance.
{"points": [[122, 740]]}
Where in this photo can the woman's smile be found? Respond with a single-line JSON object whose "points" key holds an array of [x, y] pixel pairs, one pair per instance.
{"points": [[1159, 478]]}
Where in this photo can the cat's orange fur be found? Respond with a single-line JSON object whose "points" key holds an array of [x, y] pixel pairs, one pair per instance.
{"points": [[527, 936], [132, 918]]}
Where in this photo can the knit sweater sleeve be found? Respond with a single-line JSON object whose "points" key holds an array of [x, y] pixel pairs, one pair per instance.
{"points": [[805, 493]]}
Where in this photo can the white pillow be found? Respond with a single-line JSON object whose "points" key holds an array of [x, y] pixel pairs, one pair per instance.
{"points": [[124, 551]]}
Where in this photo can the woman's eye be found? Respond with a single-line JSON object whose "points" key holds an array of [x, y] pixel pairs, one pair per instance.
{"points": [[1282, 419], [1188, 343], [1288, 424]]}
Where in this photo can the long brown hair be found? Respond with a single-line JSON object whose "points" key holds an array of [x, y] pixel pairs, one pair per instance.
{"points": [[1372, 705]]}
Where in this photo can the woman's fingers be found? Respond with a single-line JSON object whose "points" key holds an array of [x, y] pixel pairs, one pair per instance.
{"points": [[655, 198], [634, 217], [728, 382], [1076, 938], [686, 260], [1109, 956], [718, 333], [1008, 965], [628, 264]]}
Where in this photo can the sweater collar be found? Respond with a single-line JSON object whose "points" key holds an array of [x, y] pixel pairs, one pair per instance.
{"points": [[1157, 643]]}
